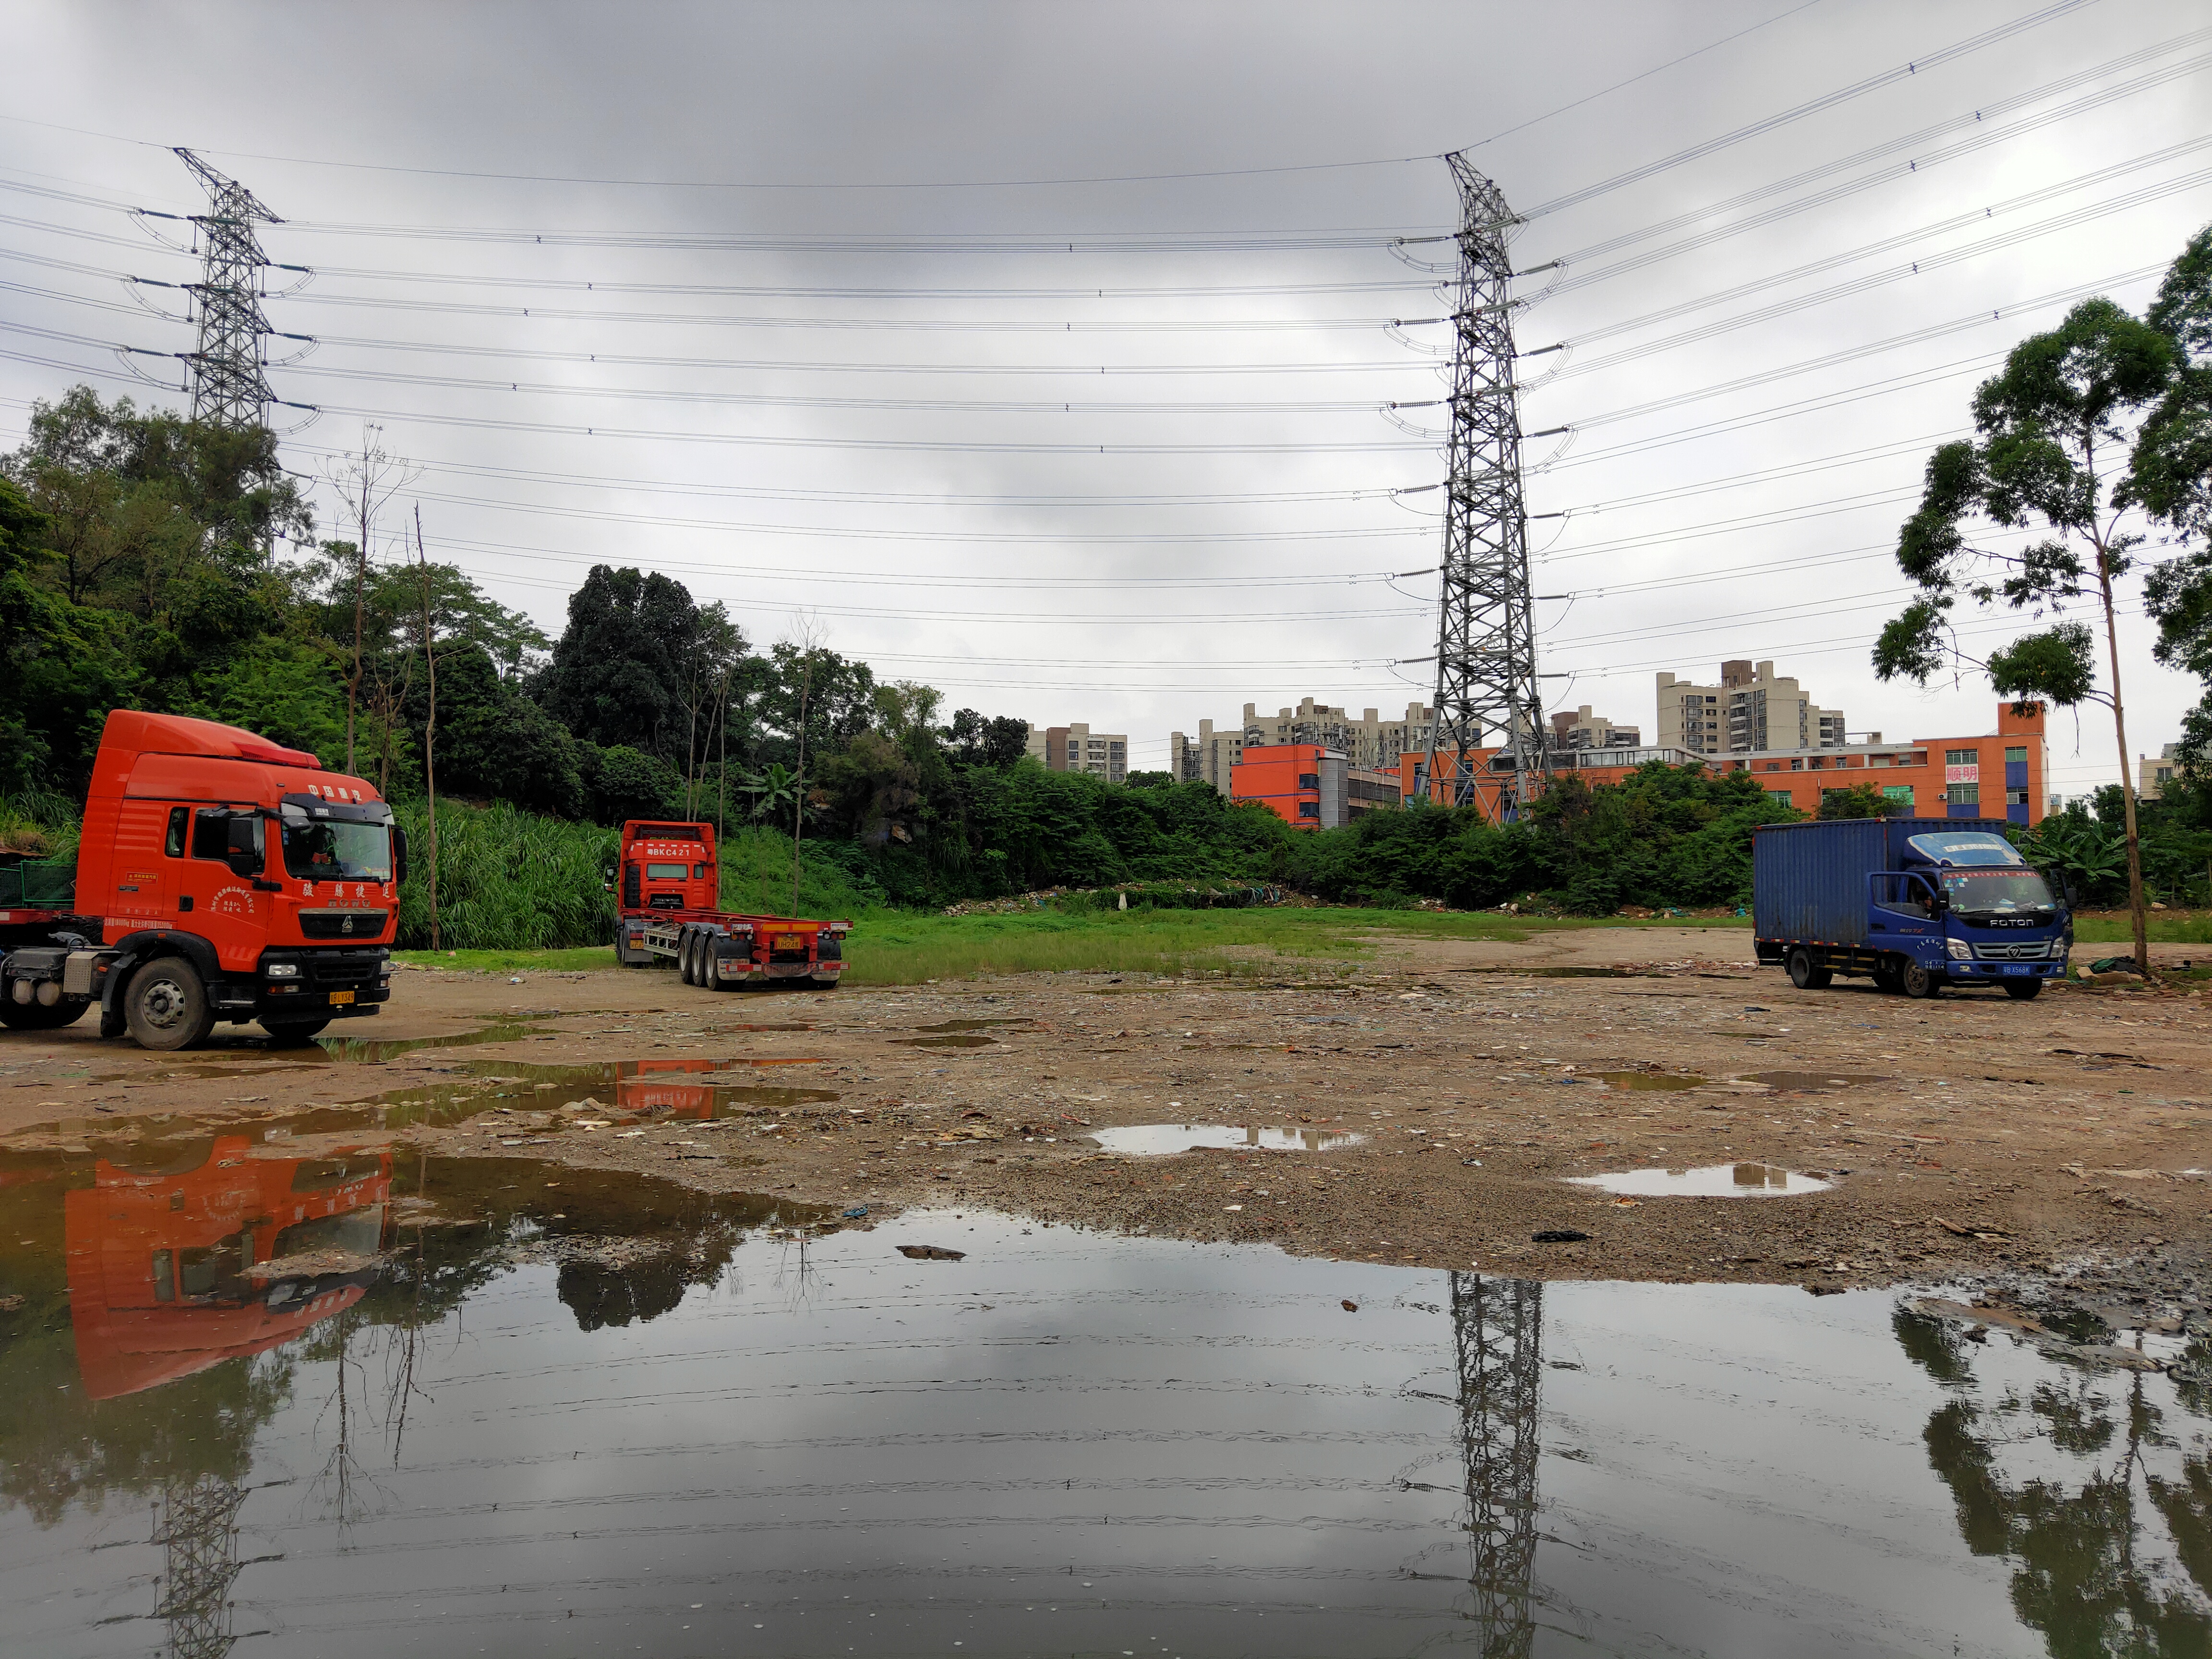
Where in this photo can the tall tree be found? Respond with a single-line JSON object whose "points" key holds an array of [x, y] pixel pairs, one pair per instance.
{"points": [[2169, 475], [638, 663], [366, 479], [2054, 427]]}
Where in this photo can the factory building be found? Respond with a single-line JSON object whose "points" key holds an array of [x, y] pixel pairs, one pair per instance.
{"points": [[1310, 786]]}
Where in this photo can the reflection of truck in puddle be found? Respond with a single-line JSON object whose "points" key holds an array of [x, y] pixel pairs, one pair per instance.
{"points": [[699, 1089], [162, 1254]]}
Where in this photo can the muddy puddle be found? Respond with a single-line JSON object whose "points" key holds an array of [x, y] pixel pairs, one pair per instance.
{"points": [[971, 1025], [559, 1413], [1653, 1082], [1708, 1181], [960, 1041], [531, 1095], [1152, 1138], [1814, 1081]]}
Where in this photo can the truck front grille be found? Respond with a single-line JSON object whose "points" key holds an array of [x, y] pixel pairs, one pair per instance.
{"points": [[341, 924], [2034, 949], [341, 970]]}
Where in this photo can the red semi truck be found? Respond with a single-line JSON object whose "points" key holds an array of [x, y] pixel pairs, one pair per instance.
{"points": [[669, 891], [219, 876]]}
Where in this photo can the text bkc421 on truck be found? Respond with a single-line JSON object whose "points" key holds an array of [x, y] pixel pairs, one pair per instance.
{"points": [[668, 890], [1916, 904], [219, 876]]}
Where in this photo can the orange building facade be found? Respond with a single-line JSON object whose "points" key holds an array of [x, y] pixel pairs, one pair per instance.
{"points": [[1310, 786], [2002, 775]]}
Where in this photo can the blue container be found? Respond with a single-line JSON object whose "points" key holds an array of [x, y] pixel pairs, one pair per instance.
{"points": [[1808, 881]]}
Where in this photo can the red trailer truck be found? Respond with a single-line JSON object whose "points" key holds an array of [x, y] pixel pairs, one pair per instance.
{"points": [[219, 876], [669, 893]]}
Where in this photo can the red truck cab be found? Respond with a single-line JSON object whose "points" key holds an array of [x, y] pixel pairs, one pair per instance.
{"points": [[219, 876], [668, 893]]}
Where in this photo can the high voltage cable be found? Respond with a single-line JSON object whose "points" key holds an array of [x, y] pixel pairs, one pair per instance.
{"points": [[1924, 265], [1984, 135], [1811, 106]]}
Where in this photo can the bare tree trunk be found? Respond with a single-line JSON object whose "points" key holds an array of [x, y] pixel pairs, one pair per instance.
{"points": [[798, 787], [2137, 908], [360, 583], [430, 724]]}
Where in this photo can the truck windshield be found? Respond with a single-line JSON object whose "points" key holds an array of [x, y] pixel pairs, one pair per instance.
{"points": [[1995, 892], [328, 850]]}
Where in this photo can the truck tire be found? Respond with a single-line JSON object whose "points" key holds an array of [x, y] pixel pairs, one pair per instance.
{"points": [[1805, 974], [2023, 990], [687, 958], [1919, 984], [290, 1033], [166, 1006], [38, 1016]]}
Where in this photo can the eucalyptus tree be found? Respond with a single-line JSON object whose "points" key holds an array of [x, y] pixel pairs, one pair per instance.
{"points": [[2054, 433]]}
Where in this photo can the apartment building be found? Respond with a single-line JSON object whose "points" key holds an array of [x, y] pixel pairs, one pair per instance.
{"points": [[1750, 711], [1584, 729], [1312, 788], [1208, 758], [1077, 748], [1368, 742], [2152, 776], [2003, 774]]}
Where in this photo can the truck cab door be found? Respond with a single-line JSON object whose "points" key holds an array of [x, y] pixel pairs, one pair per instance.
{"points": [[1903, 902]]}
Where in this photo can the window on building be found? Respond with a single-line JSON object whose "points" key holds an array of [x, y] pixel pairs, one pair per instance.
{"points": [[1898, 791], [1963, 794], [2015, 798], [2016, 756], [1308, 780], [1962, 757], [2166, 774], [1781, 795], [1308, 809]]}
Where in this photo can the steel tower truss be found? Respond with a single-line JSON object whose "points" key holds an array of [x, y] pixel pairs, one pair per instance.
{"points": [[196, 1522], [1497, 1328], [228, 388], [1485, 631]]}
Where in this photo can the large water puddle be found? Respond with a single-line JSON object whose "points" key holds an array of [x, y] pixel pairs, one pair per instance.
{"points": [[507, 1407], [1710, 1181], [1648, 1082], [1149, 1139]]}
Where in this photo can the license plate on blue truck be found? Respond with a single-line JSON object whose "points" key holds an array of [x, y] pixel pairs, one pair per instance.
{"points": [[2018, 968]]}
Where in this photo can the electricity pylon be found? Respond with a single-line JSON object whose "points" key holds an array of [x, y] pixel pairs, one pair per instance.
{"points": [[1497, 1330], [195, 1522], [228, 388], [1486, 629]]}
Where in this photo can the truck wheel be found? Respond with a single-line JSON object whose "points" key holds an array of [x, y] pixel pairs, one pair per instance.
{"points": [[1805, 976], [2023, 990], [166, 1007], [1919, 984], [38, 1016], [687, 957], [290, 1033]]}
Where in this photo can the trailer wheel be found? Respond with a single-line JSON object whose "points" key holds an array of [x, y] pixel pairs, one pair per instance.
{"points": [[1805, 974], [166, 1006], [1918, 982], [688, 958], [2023, 990], [39, 1016]]}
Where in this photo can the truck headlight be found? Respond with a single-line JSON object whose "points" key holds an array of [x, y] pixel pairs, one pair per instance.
{"points": [[282, 971], [1960, 949]]}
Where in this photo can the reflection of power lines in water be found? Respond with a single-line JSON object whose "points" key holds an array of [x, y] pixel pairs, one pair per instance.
{"points": [[1498, 1326], [195, 1522]]}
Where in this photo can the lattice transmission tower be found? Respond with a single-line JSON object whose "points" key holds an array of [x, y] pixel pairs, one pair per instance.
{"points": [[228, 388], [195, 1522], [1497, 1329], [1485, 630]]}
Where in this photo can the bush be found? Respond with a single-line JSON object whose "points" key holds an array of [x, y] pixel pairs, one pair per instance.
{"points": [[507, 880]]}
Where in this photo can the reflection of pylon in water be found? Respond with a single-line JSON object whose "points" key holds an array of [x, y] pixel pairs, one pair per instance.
{"points": [[197, 1522], [1498, 1326]]}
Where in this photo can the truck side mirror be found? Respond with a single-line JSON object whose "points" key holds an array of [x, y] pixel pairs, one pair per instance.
{"points": [[398, 856], [242, 846]]}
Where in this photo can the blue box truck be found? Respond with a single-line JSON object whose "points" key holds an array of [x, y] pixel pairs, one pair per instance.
{"points": [[1914, 904]]}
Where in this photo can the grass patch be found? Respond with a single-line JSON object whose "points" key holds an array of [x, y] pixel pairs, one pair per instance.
{"points": [[906, 948], [568, 959], [2115, 928]]}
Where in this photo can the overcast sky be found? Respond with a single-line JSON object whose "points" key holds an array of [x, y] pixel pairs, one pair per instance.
{"points": [[1040, 352]]}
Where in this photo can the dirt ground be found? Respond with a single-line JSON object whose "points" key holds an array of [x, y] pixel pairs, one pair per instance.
{"points": [[1970, 1136]]}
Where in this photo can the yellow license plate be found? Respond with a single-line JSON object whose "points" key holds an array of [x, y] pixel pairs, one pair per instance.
{"points": [[341, 996], [791, 941]]}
